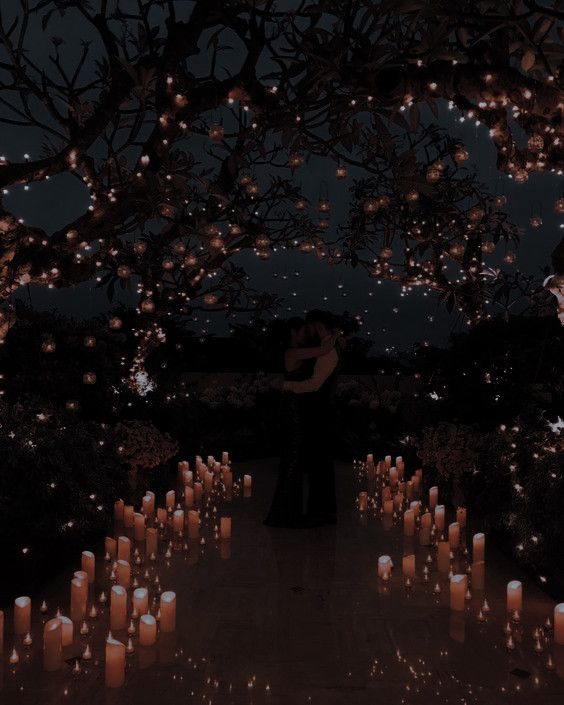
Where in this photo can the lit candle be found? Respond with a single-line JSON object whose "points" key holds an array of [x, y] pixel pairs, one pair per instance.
{"points": [[178, 520], [123, 573], [409, 522], [393, 476], [168, 611], [454, 534], [88, 565], [188, 496], [388, 461], [170, 499], [416, 506], [208, 482], [224, 458], [433, 497], [139, 524], [458, 585], [461, 517], [370, 459], [443, 557], [128, 512], [147, 630], [67, 631], [440, 517], [247, 482], [478, 548], [79, 598], [559, 624], [110, 546], [385, 565], [426, 520], [115, 663], [514, 596], [118, 608], [198, 490], [141, 600], [22, 615], [362, 501], [187, 478], [193, 524], [123, 548], [225, 527], [228, 479], [52, 645], [389, 506], [151, 541], [147, 505], [118, 510], [408, 566]]}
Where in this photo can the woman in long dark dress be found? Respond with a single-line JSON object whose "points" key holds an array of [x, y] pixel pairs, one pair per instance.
{"points": [[287, 507]]}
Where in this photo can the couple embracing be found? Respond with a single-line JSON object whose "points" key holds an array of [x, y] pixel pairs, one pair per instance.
{"points": [[305, 491]]}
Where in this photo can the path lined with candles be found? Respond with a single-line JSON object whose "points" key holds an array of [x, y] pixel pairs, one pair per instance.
{"points": [[391, 599]]}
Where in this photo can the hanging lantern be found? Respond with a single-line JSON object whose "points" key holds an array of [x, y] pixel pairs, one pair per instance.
{"points": [[476, 214], [252, 188], [521, 176], [306, 247], [72, 235], [535, 143], [89, 341], [263, 254], [245, 179], [386, 253], [461, 155], [370, 205], [488, 247], [48, 346], [535, 221], [89, 378], [301, 204], [168, 264], [456, 250], [71, 405], [262, 241], [384, 201], [216, 243], [115, 323], [509, 258], [140, 247], [235, 230], [433, 175], [210, 299], [216, 132], [559, 205], [412, 196], [440, 165], [147, 306], [295, 160], [341, 172], [190, 261], [500, 201], [324, 205], [123, 271], [179, 248], [324, 224]]}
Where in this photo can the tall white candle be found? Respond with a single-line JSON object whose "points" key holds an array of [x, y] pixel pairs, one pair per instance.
{"points": [[141, 600], [89, 565], [225, 527], [188, 496], [178, 520], [433, 497], [384, 566], [440, 517], [147, 630], [454, 534], [458, 586], [79, 598], [559, 624], [393, 476], [193, 524], [170, 499], [461, 517], [118, 510], [478, 548], [118, 608], [124, 548], [224, 457], [67, 631], [151, 541], [139, 526], [408, 566], [52, 645], [198, 491], [208, 482], [115, 663], [409, 522], [123, 574], [168, 611], [514, 595], [128, 512], [22, 615], [110, 546]]}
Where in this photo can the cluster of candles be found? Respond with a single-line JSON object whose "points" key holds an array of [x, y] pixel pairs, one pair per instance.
{"points": [[395, 498], [137, 539]]}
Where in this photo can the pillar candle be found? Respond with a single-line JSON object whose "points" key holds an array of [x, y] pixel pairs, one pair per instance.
{"points": [[225, 527], [458, 585], [426, 520], [478, 575], [433, 497], [123, 573], [478, 548], [224, 457], [210, 460], [151, 541], [370, 458], [147, 630], [170, 499], [67, 631], [408, 566], [201, 468], [514, 595], [416, 482], [388, 461], [187, 478], [389, 506], [139, 524], [193, 524], [123, 548], [183, 466], [440, 517], [362, 501], [208, 482], [454, 534], [409, 522], [228, 479], [400, 465], [385, 565], [88, 563], [115, 663], [118, 510], [398, 500], [416, 506], [409, 490], [22, 615], [128, 512], [188, 496], [443, 557], [425, 536], [118, 608], [559, 624], [461, 517], [386, 493], [393, 476], [110, 546], [162, 515], [52, 645], [168, 611], [247, 481], [141, 600], [79, 598], [198, 490], [149, 503], [178, 520]]}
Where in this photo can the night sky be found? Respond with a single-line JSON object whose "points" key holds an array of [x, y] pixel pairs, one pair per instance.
{"points": [[392, 321]]}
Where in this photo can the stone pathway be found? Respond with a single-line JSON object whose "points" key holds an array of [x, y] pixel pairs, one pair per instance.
{"points": [[289, 617]]}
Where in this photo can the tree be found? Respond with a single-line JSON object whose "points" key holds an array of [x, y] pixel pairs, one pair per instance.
{"points": [[132, 116]]}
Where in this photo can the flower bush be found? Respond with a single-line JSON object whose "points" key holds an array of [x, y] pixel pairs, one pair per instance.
{"points": [[143, 447]]}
